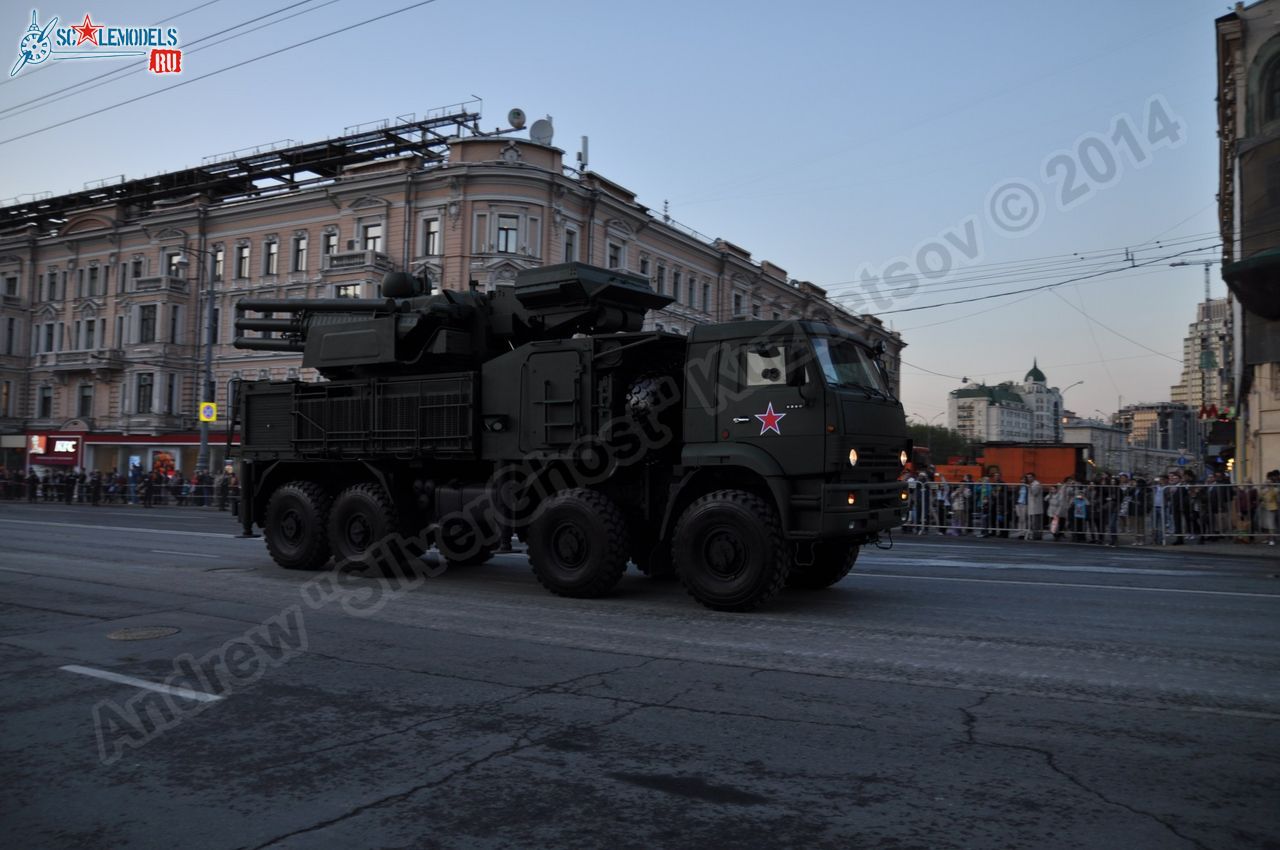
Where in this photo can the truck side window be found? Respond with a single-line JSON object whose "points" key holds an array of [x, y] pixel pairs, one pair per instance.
{"points": [[765, 366]]}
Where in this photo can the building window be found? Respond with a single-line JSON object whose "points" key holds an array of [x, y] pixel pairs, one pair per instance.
{"points": [[135, 270], [171, 395], [85, 406], [615, 255], [45, 409], [145, 395], [51, 292], [330, 244], [48, 337], [346, 290], [660, 283], [373, 237], [706, 297], [6, 398], [147, 323], [300, 254], [737, 303], [755, 311], [11, 330], [172, 264], [242, 262], [675, 286], [217, 326], [219, 263], [89, 328], [271, 258], [119, 331], [431, 237], [79, 283], [570, 246], [508, 234], [93, 281], [174, 316], [11, 286]]}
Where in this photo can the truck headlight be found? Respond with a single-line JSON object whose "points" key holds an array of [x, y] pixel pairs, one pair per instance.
{"points": [[902, 457], [853, 457]]}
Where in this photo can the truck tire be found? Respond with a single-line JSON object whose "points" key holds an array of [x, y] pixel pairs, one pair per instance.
{"points": [[362, 515], [295, 526], [578, 544], [832, 561], [729, 551]]}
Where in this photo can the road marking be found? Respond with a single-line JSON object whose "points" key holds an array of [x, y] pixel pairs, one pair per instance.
{"points": [[123, 528], [199, 696], [928, 561], [1068, 584], [185, 554]]}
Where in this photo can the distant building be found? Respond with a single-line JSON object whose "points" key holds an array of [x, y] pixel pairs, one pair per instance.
{"points": [[1168, 426], [984, 414], [1206, 355], [1008, 412]]}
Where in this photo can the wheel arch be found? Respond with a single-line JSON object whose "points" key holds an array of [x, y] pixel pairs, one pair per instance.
{"points": [[701, 480]]}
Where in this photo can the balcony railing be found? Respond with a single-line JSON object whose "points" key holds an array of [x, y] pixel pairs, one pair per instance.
{"points": [[159, 283], [355, 260]]}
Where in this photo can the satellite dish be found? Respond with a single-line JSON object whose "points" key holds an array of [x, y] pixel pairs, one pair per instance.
{"points": [[516, 118], [541, 131]]}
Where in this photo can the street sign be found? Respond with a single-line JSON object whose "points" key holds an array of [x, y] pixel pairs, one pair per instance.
{"points": [[1182, 461], [208, 412]]}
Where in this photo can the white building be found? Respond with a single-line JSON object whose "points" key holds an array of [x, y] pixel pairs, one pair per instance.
{"points": [[1205, 354], [986, 414], [1046, 406]]}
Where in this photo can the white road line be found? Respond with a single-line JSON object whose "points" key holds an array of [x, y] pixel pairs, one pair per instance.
{"points": [[185, 554], [199, 696], [1068, 584], [123, 528]]}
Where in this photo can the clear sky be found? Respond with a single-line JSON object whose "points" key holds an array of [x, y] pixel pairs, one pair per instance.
{"points": [[944, 150]]}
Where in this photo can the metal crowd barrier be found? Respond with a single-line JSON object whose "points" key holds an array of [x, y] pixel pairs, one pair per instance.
{"points": [[119, 493], [1134, 513]]}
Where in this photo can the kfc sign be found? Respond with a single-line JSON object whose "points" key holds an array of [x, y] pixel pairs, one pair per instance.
{"points": [[53, 448]]}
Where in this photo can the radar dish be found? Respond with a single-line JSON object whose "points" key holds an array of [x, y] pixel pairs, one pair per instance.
{"points": [[541, 131], [516, 118]]}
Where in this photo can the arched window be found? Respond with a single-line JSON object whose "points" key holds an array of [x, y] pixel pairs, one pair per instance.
{"points": [[1271, 91]]}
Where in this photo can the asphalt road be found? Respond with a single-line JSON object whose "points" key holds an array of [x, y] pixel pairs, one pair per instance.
{"points": [[948, 694]]}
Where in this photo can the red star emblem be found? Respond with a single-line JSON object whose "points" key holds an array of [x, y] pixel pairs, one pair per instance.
{"points": [[769, 421], [87, 31]]}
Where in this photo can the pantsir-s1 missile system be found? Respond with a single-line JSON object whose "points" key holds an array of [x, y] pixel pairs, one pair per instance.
{"points": [[745, 457]]}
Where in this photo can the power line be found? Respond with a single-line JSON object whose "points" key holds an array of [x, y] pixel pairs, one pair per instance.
{"points": [[1036, 288], [231, 67], [188, 48], [1094, 321], [174, 17]]}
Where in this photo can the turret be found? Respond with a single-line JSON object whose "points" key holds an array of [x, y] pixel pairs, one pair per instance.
{"points": [[408, 332]]}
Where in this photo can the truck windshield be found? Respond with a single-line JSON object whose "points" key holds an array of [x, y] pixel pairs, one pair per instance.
{"points": [[844, 363]]}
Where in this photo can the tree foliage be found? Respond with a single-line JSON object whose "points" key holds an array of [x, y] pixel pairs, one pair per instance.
{"points": [[942, 442]]}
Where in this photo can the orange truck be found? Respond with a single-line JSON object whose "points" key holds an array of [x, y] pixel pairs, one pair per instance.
{"points": [[1050, 463]]}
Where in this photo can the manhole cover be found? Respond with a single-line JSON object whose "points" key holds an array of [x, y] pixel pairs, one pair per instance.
{"points": [[143, 633]]}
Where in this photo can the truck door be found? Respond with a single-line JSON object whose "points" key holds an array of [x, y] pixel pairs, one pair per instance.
{"points": [[767, 398]]}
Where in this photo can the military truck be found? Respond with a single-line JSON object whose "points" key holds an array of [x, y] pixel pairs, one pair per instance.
{"points": [[744, 457]]}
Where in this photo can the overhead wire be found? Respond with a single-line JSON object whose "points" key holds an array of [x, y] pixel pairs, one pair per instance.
{"points": [[218, 71], [188, 48]]}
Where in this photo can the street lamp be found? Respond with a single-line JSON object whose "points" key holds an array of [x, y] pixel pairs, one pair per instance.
{"points": [[207, 389]]}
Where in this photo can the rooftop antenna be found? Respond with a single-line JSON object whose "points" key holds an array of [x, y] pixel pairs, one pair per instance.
{"points": [[542, 131], [582, 155]]}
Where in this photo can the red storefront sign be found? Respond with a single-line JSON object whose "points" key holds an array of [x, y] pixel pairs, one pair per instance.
{"points": [[54, 449]]}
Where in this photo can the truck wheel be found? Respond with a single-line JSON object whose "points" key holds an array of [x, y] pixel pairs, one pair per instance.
{"points": [[832, 561], [294, 526], [362, 515], [729, 551], [578, 544]]}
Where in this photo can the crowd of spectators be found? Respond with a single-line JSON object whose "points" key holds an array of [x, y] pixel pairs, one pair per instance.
{"points": [[1172, 509], [138, 487]]}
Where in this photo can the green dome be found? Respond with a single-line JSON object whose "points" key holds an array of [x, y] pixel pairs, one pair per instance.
{"points": [[1035, 376]]}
